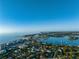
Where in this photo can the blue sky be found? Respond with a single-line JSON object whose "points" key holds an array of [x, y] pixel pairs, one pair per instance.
{"points": [[39, 15]]}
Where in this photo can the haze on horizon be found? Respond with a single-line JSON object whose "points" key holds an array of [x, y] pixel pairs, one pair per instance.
{"points": [[39, 15]]}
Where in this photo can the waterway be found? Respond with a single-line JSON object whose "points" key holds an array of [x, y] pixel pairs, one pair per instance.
{"points": [[4, 38]]}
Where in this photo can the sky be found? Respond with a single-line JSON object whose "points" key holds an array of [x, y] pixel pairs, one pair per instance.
{"points": [[39, 15]]}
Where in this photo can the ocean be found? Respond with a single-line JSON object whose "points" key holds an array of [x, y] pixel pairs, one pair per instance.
{"points": [[4, 38]]}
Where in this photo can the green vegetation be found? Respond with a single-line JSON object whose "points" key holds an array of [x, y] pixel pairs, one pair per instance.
{"points": [[33, 48]]}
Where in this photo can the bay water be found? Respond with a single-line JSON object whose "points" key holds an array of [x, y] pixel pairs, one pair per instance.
{"points": [[5, 38]]}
